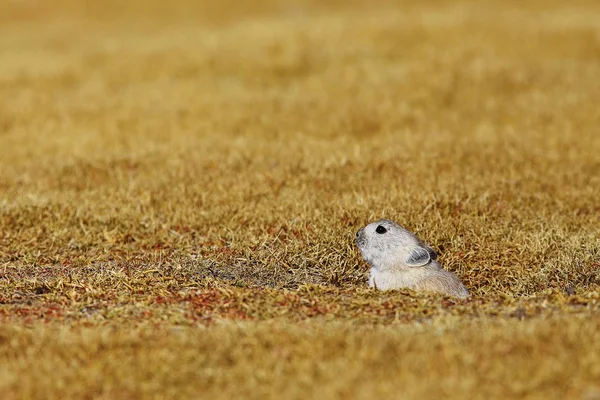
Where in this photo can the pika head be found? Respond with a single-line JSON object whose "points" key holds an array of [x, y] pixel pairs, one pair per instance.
{"points": [[386, 245], [398, 259]]}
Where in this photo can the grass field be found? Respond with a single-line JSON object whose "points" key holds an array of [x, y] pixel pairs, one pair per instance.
{"points": [[181, 182]]}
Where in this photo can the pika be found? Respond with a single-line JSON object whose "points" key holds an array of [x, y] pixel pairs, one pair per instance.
{"points": [[398, 259]]}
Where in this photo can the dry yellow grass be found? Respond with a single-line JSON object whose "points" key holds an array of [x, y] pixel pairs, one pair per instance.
{"points": [[181, 183], [533, 359]]}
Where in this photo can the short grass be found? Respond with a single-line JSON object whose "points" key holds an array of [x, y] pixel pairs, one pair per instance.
{"points": [[181, 183]]}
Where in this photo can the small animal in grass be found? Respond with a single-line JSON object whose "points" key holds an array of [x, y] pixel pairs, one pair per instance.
{"points": [[398, 259]]}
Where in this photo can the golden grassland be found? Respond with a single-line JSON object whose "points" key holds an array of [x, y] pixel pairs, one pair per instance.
{"points": [[181, 183]]}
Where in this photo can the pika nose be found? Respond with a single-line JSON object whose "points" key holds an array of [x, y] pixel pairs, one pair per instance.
{"points": [[358, 232]]}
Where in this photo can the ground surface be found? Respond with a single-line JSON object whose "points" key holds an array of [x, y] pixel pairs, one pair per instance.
{"points": [[181, 183]]}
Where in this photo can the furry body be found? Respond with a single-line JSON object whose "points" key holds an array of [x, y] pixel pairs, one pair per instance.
{"points": [[398, 259]]}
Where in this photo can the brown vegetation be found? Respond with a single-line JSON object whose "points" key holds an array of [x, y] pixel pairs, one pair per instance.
{"points": [[180, 184]]}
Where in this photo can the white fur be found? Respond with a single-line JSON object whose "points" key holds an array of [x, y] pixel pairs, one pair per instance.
{"points": [[393, 266]]}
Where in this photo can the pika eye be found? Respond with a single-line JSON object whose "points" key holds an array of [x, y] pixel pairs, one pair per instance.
{"points": [[381, 230]]}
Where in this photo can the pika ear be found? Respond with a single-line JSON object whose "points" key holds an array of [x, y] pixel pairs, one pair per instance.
{"points": [[418, 257], [432, 253]]}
